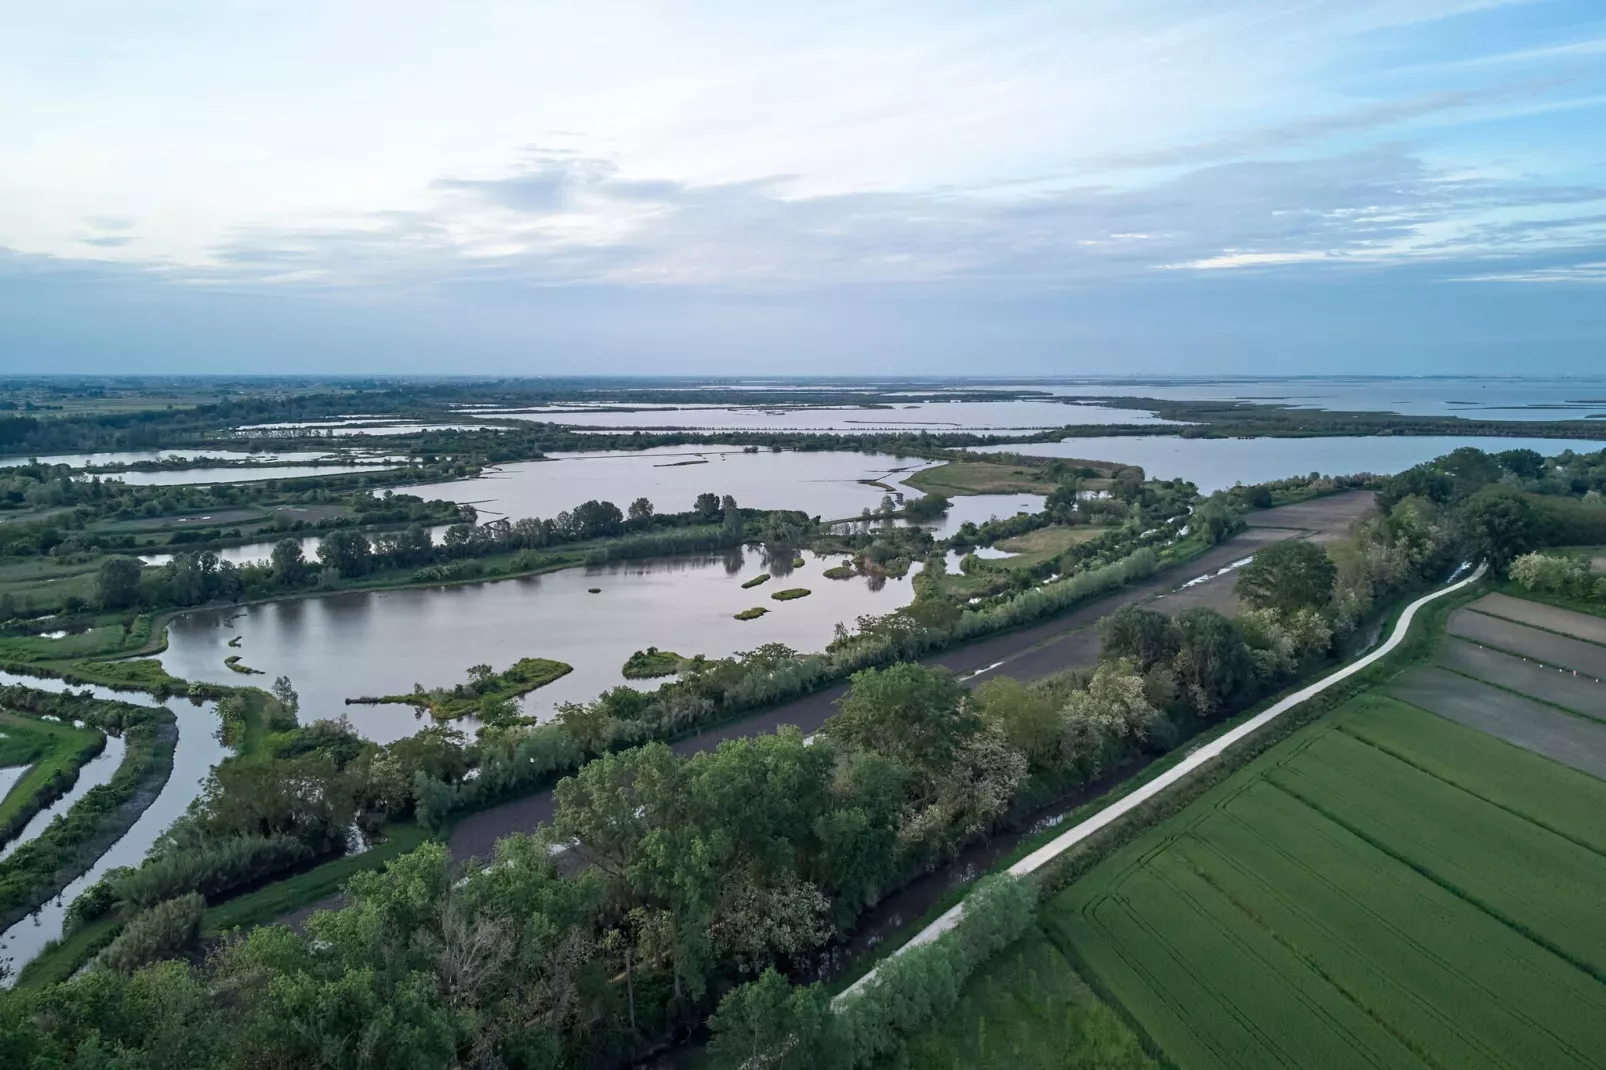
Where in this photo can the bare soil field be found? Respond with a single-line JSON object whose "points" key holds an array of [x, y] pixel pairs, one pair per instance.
{"points": [[1528, 642], [1572, 741], [1328, 518], [1550, 618], [1559, 687]]}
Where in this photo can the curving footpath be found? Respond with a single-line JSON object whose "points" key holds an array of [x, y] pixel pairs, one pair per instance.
{"points": [[1198, 759]]}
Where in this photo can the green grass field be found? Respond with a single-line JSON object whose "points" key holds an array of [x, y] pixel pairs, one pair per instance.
{"points": [[1385, 888], [1028, 1010], [49, 748]]}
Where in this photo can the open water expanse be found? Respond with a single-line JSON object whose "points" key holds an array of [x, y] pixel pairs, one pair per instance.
{"points": [[993, 417], [1217, 463], [828, 484], [377, 643]]}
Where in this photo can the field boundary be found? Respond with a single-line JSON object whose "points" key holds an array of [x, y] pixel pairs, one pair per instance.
{"points": [[1205, 755]]}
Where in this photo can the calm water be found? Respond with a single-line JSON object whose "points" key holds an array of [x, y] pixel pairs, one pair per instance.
{"points": [[1570, 398], [239, 475], [377, 643], [1217, 463], [980, 508], [936, 416], [93, 773], [82, 460], [821, 484], [256, 553], [196, 752]]}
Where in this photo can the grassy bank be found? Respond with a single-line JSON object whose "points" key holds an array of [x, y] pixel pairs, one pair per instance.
{"points": [[484, 687], [53, 752]]}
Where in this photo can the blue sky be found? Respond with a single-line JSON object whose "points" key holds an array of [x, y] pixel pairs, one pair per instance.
{"points": [[1087, 187]]}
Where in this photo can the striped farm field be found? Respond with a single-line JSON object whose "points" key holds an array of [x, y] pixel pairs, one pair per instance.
{"points": [[1386, 888]]}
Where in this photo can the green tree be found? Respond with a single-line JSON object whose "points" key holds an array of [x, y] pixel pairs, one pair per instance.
{"points": [[117, 582], [1287, 576], [1498, 525], [1216, 519], [1142, 636], [706, 507], [347, 552], [289, 565], [640, 512], [769, 1023], [1028, 718], [908, 712], [1212, 662]]}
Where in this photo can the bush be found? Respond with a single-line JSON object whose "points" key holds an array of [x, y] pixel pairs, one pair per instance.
{"points": [[791, 593], [166, 930], [211, 869]]}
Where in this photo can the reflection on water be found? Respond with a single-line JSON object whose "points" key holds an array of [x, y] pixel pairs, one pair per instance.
{"points": [[1217, 463], [195, 753], [993, 417], [1568, 398], [980, 508], [376, 643], [179, 477], [824, 484], [83, 460], [259, 553]]}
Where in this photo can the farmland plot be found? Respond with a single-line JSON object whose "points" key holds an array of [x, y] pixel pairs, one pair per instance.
{"points": [[1538, 615], [1548, 647], [1385, 889], [1561, 737], [1581, 694]]}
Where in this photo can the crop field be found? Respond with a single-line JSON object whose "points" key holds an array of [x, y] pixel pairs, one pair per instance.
{"points": [[1557, 734], [1558, 687], [1520, 639], [1027, 1009], [1385, 888], [1538, 615], [1328, 518]]}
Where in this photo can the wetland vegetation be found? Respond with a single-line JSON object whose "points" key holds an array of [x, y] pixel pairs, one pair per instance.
{"points": [[693, 875]]}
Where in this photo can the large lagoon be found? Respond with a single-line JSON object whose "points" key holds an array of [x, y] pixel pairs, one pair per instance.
{"points": [[1217, 463]]}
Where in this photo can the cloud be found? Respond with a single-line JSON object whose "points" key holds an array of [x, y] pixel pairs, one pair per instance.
{"points": [[576, 221], [109, 241], [1293, 134]]}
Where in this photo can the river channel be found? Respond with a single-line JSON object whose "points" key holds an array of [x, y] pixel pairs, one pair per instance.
{"points": [[196, 752]]}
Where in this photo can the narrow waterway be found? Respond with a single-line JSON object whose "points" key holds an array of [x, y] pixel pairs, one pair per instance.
{"points": [[197, 750]]}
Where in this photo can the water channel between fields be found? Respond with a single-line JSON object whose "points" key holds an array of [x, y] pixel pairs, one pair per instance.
{"points": [[196, 752]]}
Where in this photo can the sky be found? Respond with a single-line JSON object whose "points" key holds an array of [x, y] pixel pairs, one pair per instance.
{"points": [[1082, 187]]}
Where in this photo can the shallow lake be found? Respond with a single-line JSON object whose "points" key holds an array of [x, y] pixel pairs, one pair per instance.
{"points": [[84, 460], [1217, 463], [179, 477], [994, 417], [824, 484], [378, 643], [1500, 398], [256, 553]]}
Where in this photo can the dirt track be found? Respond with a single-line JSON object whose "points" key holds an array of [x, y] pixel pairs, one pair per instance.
{"points": [[1561, 737]]}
